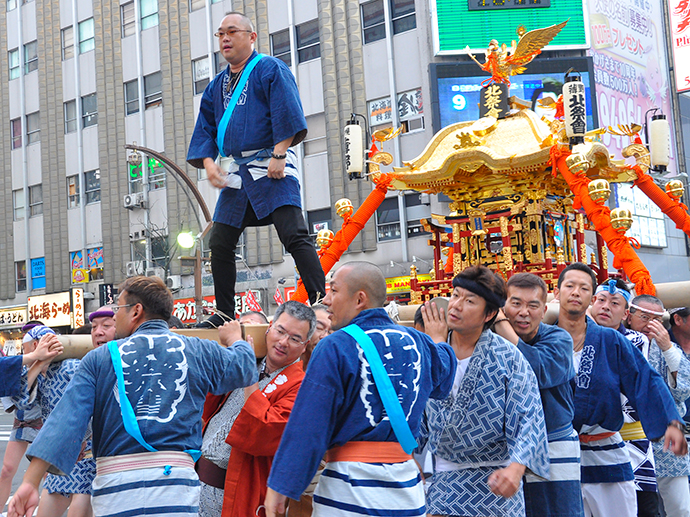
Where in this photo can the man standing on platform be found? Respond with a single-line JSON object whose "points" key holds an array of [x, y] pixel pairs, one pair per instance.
{"points": [[252, 112]]}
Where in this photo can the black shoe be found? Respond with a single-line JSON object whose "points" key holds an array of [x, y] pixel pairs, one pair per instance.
{"points": [[215, 321]]}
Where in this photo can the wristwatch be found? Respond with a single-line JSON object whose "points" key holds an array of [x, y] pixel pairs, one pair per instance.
{"points": [[278, 156]]}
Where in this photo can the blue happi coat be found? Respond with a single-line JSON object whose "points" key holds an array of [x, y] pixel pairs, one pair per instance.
{"points": [[167, 377], [495, 419], [10, 373], [268, 111], [668, 464], [338, 401], [611, 365]]}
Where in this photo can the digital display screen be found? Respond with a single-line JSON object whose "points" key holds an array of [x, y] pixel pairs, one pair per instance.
{"points": [[456, 88], [487, 5]]}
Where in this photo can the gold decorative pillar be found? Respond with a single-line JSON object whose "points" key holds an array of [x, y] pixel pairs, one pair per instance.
{"points": [[507, 247]]}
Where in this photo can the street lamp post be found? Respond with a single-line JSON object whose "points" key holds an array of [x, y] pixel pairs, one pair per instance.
{"points": [[179, 174]]}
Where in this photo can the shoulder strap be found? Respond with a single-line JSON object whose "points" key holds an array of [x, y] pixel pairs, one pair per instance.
{"points": [[225, 120], [389, 397], [129, 419]]}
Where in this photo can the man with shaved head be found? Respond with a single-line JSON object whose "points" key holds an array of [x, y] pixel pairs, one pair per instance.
{"points": [[339, 410]]}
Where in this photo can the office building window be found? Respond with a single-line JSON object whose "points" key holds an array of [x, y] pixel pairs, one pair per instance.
{"points": [[87, 41], [402, 13], [33, 128], [132, 97], [373, 21], [89, 110], [67, 42], [129, 23], [319, 220], [159, 251], [219, 63], [388, 217], [70, 108], [72, 191], [153, 90], [13, 58], [200, 74], [16, 129], [20, 275], [38, 273], [18, 204], [316, 142], [308, 46], [35, 200], [93, 186], [30, 57], [196, 4], [149, 13], [156, 174], [11, 5], [280, 46]]}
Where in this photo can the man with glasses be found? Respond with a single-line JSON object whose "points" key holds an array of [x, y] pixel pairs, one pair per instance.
{"points": [[669, 359], [252, 113], [243, 428], [145, 393]]}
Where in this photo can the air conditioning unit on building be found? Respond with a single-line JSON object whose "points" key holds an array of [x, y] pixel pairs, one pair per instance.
{"points": [[174, 282], [134, 268], [156, 271], [132, 201]]}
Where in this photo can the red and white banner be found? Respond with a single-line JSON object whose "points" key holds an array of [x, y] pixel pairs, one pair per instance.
{"points": [[679, 11], [278, 297], [251, 302]]}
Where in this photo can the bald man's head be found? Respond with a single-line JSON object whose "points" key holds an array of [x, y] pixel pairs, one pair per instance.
{"points": [[365, 276]]}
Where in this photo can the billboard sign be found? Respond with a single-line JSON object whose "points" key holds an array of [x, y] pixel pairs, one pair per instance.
{"points": [[457, 24]]}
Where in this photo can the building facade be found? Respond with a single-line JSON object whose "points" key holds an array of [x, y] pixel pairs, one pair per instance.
{"points": [[83, 78]]}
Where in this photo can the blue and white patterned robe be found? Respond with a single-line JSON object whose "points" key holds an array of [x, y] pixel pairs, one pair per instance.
{"points": [[10, 372], [611, 365], [496, 418], [667, 464], [268, 112]]}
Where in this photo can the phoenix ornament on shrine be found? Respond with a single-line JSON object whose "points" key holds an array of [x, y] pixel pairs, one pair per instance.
{"points": [[502, 62]]}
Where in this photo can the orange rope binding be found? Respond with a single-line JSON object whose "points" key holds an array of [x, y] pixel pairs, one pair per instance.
{"points": [[624, 255], [351, 227], [675, 210]]}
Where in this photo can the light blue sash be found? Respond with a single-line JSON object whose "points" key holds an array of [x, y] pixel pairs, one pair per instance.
{"points": [[129, 419], [223, 126], [385, 388]]}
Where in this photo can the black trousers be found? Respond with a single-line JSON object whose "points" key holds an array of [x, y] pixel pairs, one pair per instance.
{"points": [[647, 504], [292, 231]]}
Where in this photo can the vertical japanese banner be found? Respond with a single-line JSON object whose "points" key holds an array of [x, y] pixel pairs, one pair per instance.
{"points": [[679, 11], [630, 66]]}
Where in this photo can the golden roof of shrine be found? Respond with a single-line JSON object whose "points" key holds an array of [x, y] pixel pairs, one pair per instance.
{"points": [[490, 158]]}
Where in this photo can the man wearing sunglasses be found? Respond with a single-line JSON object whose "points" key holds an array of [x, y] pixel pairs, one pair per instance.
{"points": [[252, 113], [242, 429]]}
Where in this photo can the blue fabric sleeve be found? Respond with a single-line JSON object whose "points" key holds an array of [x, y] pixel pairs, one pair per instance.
{"points": [[525, 428], [443, 366], [10, 371], [287, 115], [203, 142], [645, 389], [228, 368], [60, 439], [314, 415], [551, 357]]}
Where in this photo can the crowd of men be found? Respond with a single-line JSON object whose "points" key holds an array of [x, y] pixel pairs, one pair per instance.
{"points": [[521, 418], [580, 418]]}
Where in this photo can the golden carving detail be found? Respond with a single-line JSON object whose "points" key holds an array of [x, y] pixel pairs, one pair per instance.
{"points": [[604, 258], [504, 226]]}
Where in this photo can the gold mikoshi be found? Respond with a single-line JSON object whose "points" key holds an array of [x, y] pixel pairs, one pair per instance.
{"points": [[599, 191], [344, 208], [577, 163], [675, 189], [621, 219], [324, 238]]}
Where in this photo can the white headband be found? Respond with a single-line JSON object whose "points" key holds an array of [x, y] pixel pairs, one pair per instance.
{"points": [[655, 313]]}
